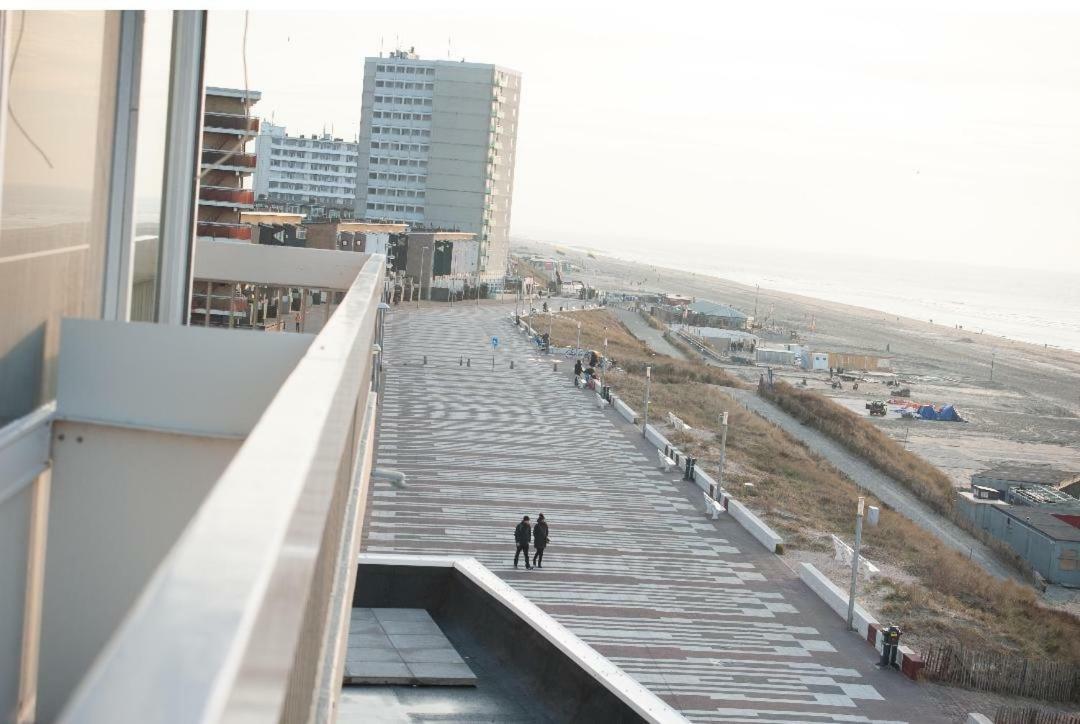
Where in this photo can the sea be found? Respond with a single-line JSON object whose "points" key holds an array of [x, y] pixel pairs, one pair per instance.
{"points": [[1037, 306]]}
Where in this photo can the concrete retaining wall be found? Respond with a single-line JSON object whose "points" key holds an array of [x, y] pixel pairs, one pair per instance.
{"points": [[867, 626], [624, 410], [755, 526], [703, 480], [654, 436], [836, 599]]}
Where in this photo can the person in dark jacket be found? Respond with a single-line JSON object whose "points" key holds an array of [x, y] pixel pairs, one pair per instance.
{"points": [[540, 540], [522, 533]]}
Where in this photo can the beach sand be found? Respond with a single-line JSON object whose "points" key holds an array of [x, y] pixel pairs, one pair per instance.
{"points": [[1029, 413]]}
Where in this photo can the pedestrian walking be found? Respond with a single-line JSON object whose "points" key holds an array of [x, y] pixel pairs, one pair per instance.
{"points": [[522, 533], [297, 320], [540, 540]]}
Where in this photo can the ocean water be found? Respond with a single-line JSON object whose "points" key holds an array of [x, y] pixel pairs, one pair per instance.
{"points": [[1042, 307]]}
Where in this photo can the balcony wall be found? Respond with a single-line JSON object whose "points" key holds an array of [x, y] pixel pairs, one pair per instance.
{"points": [[234, 232], [231, 122], [207, 491], [239, 159], [240, 197]]}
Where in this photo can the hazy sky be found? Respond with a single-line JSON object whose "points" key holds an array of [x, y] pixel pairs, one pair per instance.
{"points": [[909, 129]]}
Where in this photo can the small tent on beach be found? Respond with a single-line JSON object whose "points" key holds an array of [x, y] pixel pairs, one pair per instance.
{"points": [[948, 413]]}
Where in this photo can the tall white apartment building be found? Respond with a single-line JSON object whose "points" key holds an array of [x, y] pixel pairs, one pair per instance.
{"points": [[437, 146], [314, 175]]}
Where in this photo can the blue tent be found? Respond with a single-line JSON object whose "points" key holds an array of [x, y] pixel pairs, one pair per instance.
{"points": [[948, 414], [927, 412]]}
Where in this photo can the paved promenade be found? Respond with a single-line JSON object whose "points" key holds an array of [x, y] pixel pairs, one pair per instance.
{"points": [[694, 609]]}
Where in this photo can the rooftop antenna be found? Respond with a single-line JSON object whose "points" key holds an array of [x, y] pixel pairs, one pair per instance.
{"points": [[380, 46], [449, 44]]}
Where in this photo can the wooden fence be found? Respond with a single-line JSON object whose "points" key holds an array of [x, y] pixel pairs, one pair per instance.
{"points": [[1033, 715], [1002, 673]]}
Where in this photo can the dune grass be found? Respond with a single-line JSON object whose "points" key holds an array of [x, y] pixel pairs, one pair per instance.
{"points": [[866, 440]]}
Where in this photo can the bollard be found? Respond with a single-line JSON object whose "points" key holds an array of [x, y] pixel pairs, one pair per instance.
{"points": [[468, 362], [425, 359], [461, 361], [511, 364]]}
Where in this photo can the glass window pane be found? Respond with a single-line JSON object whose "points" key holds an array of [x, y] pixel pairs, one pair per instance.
{"points": [[150, 160], [56, 156]]}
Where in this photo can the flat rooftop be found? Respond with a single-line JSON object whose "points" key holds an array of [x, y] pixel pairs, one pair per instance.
{"points": [[1062, 527], [251, 95], [1030, 474]]}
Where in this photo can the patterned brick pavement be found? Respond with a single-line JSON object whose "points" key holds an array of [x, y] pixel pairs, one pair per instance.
{"points": [[694, 609]]}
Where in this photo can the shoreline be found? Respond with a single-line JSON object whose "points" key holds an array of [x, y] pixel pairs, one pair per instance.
{"points": [[806, 297]]}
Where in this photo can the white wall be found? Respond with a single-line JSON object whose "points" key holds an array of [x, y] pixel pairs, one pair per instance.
{"points": [[465, 257]]}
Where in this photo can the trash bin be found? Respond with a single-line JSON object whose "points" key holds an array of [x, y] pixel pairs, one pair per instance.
{"points": [[890, 646]]}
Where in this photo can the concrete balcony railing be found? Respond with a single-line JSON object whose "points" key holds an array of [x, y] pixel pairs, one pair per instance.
{"points": [[203, 495], [221, 195], [214, 230], [214, 122], [223, 159]]}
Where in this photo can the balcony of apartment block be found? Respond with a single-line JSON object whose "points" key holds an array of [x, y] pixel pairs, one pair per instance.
{"points": [[230, 123], [218, 231], [232, 198], [226, 160], [201, 515]]}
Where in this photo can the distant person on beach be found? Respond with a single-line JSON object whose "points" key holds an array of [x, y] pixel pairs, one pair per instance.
{"points": [[522, 533], [578, 368], [540, 540]]}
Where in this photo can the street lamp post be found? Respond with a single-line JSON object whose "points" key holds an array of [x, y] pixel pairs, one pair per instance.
{"points": [[578, 336], [603, 363], [648, 380], [855, 564], [723, 454], [420, 294]]}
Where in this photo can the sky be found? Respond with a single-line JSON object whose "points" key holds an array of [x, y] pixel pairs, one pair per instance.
{"points": [[908, 130]]}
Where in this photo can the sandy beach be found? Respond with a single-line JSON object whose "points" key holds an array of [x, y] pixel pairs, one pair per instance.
{"points": [[1029, 413]]}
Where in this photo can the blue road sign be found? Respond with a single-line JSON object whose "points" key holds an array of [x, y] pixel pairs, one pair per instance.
{"points": [[494, 342]]}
